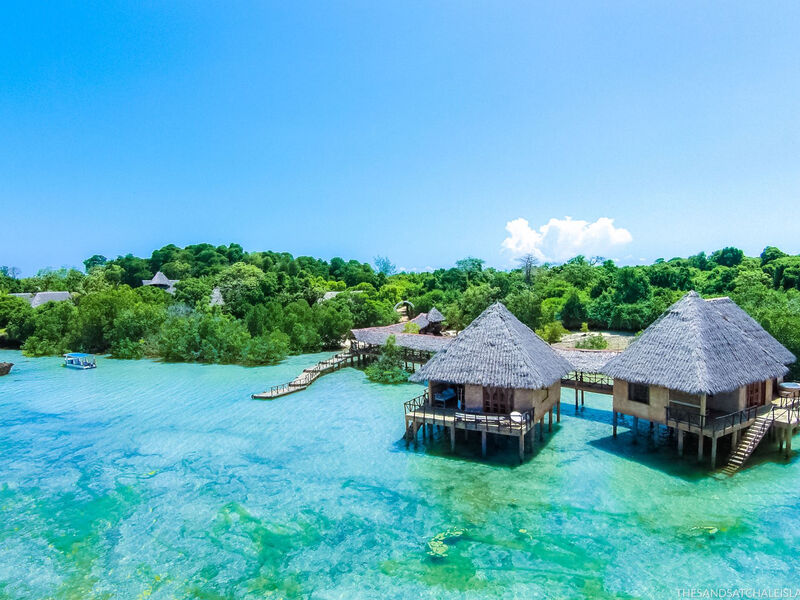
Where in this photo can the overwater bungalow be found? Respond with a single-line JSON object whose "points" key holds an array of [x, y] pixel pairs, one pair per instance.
{"points": [[39, 298], [161, 281], [703, 367], [496, 377]]}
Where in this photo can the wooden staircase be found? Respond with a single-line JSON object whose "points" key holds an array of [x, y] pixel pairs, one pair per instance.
{"points": [[308, 376], [750, 440]]}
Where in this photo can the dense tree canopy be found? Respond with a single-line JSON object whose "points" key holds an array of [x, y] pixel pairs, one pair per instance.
{"points": [[273, 300]]}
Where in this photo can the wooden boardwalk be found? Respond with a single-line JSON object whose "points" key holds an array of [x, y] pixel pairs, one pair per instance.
{"points": [[308, 376]]}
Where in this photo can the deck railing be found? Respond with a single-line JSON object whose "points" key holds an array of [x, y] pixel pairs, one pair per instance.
{"points": [[696, 421], [494, 422], [734, 420]]}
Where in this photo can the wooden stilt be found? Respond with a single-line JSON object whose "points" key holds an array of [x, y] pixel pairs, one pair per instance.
{"points": [[466, 435], [615, 419], [700, 443], [713, 452], [788, 441], [558, 411], [452, 438], [541, 430], [521, 447], [680, 442], [415, 426], [576, 398], [483, 444], [581, 397], [550, 421], [735, 439]]}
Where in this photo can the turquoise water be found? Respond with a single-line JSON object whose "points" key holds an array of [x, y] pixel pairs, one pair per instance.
{"points": [[141, 479]]}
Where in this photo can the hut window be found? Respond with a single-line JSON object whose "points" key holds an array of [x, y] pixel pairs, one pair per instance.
{"points": [[639, 393]]}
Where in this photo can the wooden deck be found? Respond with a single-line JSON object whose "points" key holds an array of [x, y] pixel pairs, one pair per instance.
{"points": [[308, 376], [419, 415]]}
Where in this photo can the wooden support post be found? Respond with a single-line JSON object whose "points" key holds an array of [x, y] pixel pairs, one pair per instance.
{"points": [[558, 411], [521, 447], [466, 435], [550, 421], [789, 441], [452, 438], [483, 444], [713, 452], [680, 442], [576, 397], [415, 427], [735, 439], [700, 443], [615, 419], [781, 436], [541, 429], [581, 397]]}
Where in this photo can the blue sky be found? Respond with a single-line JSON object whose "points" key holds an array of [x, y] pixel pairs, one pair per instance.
{"points": [[414, 130]]}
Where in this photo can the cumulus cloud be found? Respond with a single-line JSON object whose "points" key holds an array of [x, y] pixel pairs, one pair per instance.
{"points": [[561, 239]]}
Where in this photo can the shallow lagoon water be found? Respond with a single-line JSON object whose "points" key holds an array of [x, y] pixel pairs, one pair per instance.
{"points": [[141, 479]]}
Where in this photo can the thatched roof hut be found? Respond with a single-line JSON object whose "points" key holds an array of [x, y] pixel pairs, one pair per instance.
{"points": [[496, 350], [40, 298], [216, 297], [160, 280], [695, 348], [434, 316], [377, 336]]}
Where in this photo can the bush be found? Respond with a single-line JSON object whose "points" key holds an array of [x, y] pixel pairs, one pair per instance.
{"points": [[411, 328], [389, 367], [552, 332], [584, 327], [593, 342]]}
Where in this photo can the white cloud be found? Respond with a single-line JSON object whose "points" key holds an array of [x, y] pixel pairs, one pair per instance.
{"points": [[561, 239]]}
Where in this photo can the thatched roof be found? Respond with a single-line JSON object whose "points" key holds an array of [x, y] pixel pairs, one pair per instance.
{"points": [[216, 297], [434, 316], [587, 361], [162, 281], [731, 311], [695, 349], [40, 298], [378, 335], [496, 350]]}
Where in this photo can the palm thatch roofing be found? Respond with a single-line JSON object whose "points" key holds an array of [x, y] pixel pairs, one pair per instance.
{"points": [[40, 298], [434, 316], [377, 336], [162, 281], [587, 361], [216, 297], [694, 348], [496, 350], [733, 312]]}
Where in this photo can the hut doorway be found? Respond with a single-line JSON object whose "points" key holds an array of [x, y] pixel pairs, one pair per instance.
{"points": [[756, 393], [498, 400]]}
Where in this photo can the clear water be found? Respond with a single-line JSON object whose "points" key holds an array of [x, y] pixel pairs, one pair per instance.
{"points": [[141, 479]]}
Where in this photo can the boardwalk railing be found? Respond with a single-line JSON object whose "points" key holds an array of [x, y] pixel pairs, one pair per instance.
{"points": [[418, 408], [307, 377]]}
